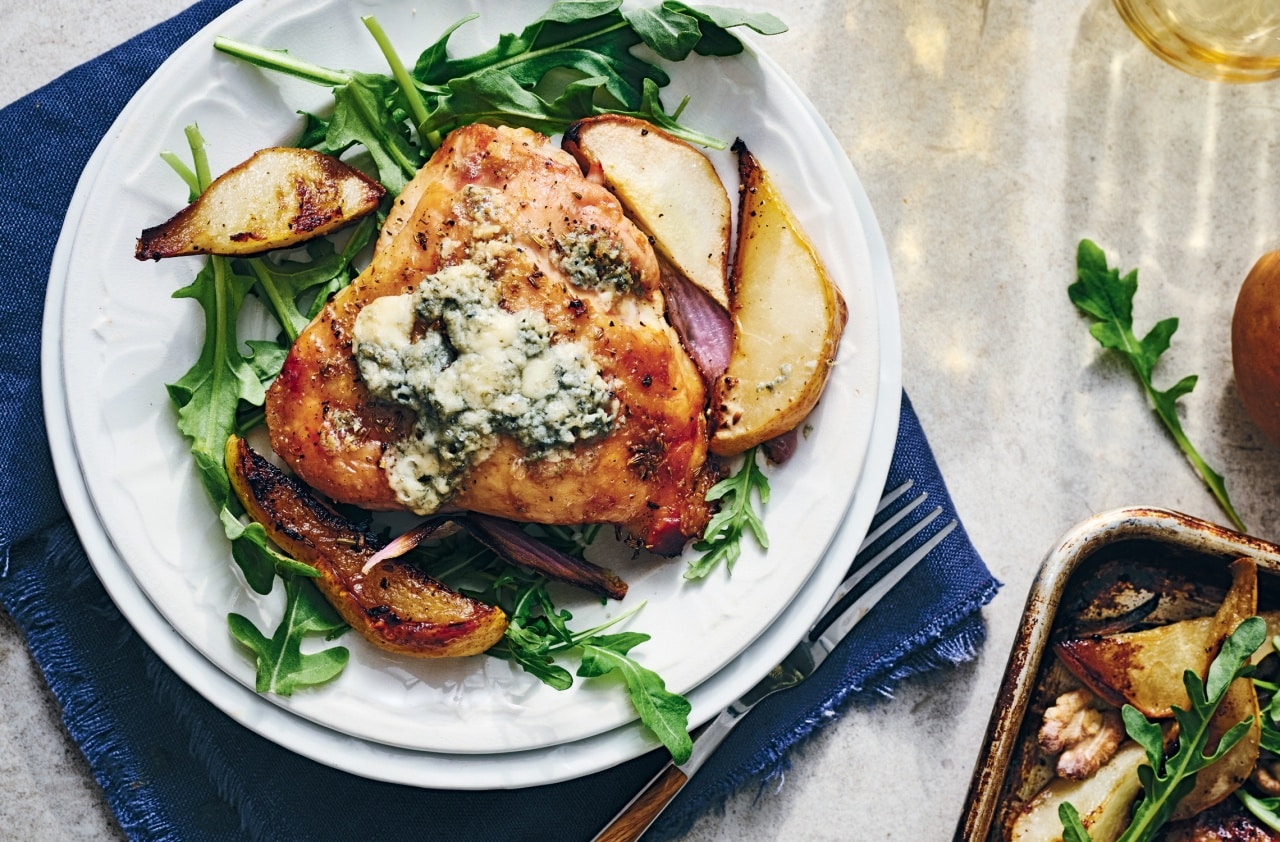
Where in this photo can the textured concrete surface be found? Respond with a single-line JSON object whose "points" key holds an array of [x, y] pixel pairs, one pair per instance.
{"points": [[990, 141]]}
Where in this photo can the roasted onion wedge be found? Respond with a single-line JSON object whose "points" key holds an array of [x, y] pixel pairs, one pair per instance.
{"points": [[395, 606], [509, 540], [279, 197]]}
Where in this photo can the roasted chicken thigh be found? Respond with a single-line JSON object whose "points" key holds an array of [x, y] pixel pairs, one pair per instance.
{"points": [[506, 352]]}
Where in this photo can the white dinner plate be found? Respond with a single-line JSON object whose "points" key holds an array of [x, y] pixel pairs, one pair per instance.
{"points": [[113, 337]]}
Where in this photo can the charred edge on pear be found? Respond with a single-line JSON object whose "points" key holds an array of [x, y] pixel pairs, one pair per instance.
{"points": [[380, 605]]}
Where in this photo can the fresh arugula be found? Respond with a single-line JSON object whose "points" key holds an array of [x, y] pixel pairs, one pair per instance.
{"points": [[1270, 737], [1101, 292], [666, 714], [1166, 781], [575, 61], [1073, 832], [721, 541], [223, 379], [1266, 810], [296, 289], [538, 636], [282, 667]]}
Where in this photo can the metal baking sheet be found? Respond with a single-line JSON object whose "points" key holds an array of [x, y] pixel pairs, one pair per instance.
{"points": [[1197, 549]]}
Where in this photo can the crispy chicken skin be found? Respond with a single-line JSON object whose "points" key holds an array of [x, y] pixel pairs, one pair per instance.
{"points": [[648, 474]]}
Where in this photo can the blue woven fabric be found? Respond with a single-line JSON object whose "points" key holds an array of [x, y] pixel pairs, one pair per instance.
{"points": [[172, 766]]}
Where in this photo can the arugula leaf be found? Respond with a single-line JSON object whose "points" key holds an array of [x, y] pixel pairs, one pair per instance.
{"points": [[590, 37], [534, 628], [1072, 828], [727, 17], [1265, 810], [668, 31], [258, 560], [266, 358], [574, 61], [671, 29], [1270, 737], [1165, 781], [365, 112], [721, 542], [209, 396], [1103, 294], [408, 90], [569, 539], [651, 110], [538, 633], [284, 283], [281, 665], [493, 97], [664, 713], [362, 115]]}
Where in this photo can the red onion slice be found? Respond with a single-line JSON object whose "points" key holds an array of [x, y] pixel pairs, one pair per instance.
{"points": [[704, 326], [508, 540], [781, 448], [404, 543]]}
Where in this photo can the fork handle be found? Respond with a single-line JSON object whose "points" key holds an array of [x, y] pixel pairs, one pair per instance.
{"points": [[634, 819], [642, 810]]}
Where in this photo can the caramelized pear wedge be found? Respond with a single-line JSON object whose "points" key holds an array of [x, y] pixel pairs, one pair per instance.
{"points": [[1103, 800], [395, 606], [279, 197], [668, 188], [1144, 668], [1216, 782], [788, 319]]}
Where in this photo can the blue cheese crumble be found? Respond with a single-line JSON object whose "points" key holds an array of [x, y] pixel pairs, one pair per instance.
{"points": [[479, 371], [594, 260], [784, 374]]}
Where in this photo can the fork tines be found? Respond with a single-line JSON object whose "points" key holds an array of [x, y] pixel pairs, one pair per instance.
{"points": [[899, 519]]}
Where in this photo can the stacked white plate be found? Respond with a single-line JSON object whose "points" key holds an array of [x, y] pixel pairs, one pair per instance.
{"points": [[113, 336]]}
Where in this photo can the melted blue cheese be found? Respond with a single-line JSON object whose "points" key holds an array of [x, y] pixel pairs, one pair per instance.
{"points": [[593, 260], [480, 372]]}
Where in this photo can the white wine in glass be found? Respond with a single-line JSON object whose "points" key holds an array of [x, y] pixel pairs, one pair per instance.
{"points": [[1224, 40]]}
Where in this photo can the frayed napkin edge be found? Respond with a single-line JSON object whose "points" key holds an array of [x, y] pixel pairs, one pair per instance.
{"points": [[84, 715]]}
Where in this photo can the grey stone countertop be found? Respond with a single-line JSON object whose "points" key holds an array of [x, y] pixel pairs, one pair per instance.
{"points": [[990, 140]]}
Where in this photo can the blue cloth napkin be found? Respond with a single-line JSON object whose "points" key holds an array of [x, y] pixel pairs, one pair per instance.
{"points": [[172, 766]]}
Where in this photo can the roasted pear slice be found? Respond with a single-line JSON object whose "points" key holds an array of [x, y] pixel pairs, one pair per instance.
{"points": [[788, 318], [1216, 782], [668, 188], [394, 605], [279, 197], [1144, 668], [1103, 800]]}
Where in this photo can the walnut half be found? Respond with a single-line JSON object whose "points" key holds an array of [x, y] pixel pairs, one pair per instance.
{"points": [[1086, 736]]}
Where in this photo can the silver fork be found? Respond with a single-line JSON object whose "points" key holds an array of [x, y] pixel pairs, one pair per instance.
{"points": [[834, 623]]}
